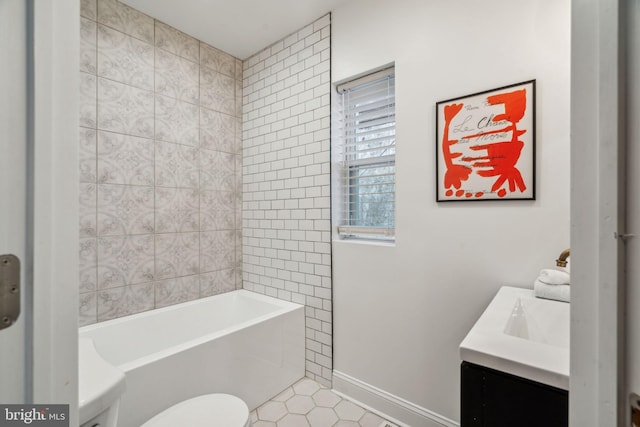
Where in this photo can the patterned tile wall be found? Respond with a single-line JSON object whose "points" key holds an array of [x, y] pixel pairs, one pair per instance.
{"points": [[160, 165], [286, 207]]}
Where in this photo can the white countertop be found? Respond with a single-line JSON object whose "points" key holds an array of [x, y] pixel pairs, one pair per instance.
{"points": [[543, 356]]}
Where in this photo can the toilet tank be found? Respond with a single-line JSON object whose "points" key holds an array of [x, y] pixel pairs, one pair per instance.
{"points": [[107, 418], [100, 387]]}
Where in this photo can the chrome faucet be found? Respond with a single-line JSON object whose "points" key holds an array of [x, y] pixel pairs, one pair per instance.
{"points": [[562, 260]]}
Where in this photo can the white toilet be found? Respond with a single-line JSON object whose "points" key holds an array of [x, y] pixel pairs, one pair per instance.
{"points": [[102, 384], [215, 410], [100, 387]]}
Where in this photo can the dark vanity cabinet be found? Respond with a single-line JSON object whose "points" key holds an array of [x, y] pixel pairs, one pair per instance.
{"points": [[491, 398]]}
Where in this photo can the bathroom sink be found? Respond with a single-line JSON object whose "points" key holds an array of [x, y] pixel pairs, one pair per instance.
{"points": [[522, 335], [539, 320]]}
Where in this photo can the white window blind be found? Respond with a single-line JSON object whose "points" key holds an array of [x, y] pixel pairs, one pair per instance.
{"points": [[368, 174]]}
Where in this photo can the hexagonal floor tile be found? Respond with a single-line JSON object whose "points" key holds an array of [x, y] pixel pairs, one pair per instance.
{"points": [[322, 407], [300, 404], [371, 420], [293, 420], [322, 417], [348, 411], [271, 411], [326, 398], [306, 387]]}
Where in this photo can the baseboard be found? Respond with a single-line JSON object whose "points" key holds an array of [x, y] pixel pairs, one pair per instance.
{"points": [[387, 405]]}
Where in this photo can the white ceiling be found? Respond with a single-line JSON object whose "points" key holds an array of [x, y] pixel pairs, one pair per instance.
{"points": [[238, 27]]}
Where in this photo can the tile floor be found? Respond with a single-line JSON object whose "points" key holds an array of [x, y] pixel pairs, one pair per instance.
{"points": [[309, 404]]}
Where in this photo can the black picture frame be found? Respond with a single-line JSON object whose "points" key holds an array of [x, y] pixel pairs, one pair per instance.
{"points": [[485, 145]]}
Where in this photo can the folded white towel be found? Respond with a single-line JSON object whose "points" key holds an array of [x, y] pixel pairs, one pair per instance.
{"points": [[554, 292], [554, 277]]}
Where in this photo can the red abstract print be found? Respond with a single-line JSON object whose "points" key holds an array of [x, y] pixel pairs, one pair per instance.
{"points": [[488, 146]]}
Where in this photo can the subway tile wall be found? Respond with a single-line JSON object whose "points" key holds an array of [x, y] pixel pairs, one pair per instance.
{"points": [[286, 179], [160, 165]]}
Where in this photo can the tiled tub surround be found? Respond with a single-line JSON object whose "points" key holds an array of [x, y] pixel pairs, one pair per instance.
{"points": [[160, 165], [286, 202]]}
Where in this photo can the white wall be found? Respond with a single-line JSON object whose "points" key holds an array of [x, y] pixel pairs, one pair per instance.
{"points": [[401, 311]]}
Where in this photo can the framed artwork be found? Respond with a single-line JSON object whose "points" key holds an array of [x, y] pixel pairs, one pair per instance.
{"points": [[485, 145]]}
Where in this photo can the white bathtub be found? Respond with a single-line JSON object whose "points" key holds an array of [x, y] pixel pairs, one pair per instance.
{"points": [[241, 343]]}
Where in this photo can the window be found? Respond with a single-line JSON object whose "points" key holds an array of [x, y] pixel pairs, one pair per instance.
{"points": [[368, 131]]}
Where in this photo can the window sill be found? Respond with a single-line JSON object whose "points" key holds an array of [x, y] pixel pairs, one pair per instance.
{"points": [[368, 242]]}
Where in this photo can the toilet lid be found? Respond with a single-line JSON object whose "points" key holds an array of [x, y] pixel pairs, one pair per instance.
{"points": [[220, 410]]}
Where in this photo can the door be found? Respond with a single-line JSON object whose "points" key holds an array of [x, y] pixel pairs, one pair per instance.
{"points": [[39, 43], [633, 200], [13, 188], [599, 232]]}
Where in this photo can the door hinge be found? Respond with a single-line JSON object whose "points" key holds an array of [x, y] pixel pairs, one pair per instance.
{"points": [[9, 290]]}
